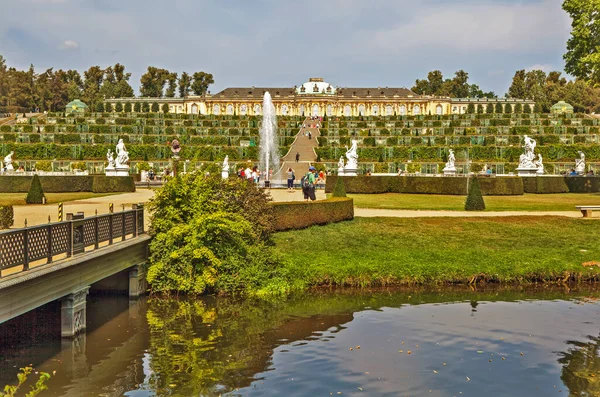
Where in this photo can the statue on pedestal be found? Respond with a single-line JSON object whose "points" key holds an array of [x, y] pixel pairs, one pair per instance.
{"points": [[225, 168], [352, 156], [175, 148], [527, 163], [450, 168], [540, 166], [579, 163], [341, 166], [110, 159], [8, 162], [122, 155]]}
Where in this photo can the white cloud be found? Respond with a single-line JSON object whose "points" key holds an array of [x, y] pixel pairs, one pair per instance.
{"points": [[69, 45], [539, 66]]}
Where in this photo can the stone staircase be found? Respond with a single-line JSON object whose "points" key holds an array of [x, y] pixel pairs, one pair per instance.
{"points": [[305, 147]]}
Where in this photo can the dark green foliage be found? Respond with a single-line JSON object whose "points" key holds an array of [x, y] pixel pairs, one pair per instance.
{"points": [[36, 193], [489, 108], [299, 214], [108, 108], [119, 107], [480, 109], [537, 108], [339, 190], [136, 106], [145, 107], [526, 109], [99, 107], [165, 108], [508, 108], [474, 198], [583, 184], [498, 108], [471, 108], [67, 184], [545, 184], [518, 108], [7, 215], [155, 107]]}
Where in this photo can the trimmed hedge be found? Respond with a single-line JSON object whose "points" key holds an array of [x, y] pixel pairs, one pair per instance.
{"points": [[490, 186], [545, 184], [7, 216], [36, 193], [68, 184], [302, 214], [583, 184]]}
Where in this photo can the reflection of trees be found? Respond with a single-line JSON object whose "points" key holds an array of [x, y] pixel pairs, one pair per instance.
{"points": [[581, 367]]}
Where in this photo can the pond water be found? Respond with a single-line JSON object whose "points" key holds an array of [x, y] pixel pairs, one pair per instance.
{"points": [[450, 342]]}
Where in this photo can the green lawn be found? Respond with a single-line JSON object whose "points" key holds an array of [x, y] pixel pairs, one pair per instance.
{"points": [[19, 198], [526, 202], [388, 251]]}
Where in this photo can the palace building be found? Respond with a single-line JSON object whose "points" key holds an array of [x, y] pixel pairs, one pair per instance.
{"points": [[318, 98]]}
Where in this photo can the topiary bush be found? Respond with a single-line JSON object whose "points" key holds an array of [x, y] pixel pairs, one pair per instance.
{"points": [[339, 190], [36, 193], [300, 214], [474, 198], [7, 216]]}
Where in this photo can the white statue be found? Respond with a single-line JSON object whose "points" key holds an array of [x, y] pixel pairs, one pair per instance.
{"points": [[526, 159], [540, 166], [8, 162], [110, 159], [579, 163], [352, 156], [225, 164], [341, 163], [122, 155], [451, 160]]}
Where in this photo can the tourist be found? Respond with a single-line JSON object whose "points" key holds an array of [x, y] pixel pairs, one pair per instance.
{"points": [[309, 135], [290, 179], [248, 173], [297, 156], [488, 171], [309, 189], [573, 172], [255, 175]]}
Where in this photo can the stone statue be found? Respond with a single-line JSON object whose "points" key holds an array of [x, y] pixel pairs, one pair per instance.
{"points": [[110, 159], [175, 148], [122, 155], [225, 164], [451, 160], [8, 162], [352, 156], [341, 163], [540, 166], [579, 163], [526, 159]]}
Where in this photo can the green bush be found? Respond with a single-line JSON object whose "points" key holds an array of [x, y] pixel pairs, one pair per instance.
{"points": [[80, 165], [339, 190], [7, 216], [583, 184], [300, 214], [36, 193], [545, 184], [68, 184], [43, 165], [474, 198], [112, 184]]}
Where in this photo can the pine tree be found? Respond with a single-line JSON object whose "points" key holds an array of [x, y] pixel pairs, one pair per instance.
{"points": [[526, 109], [36, 193], [155, 107], [518, 108], [508, 108], [165, 108], [471, 108], [339, 190], [108, 108], [480, 108], [474, 197], [119, 107], [498, 107], [489, 108]]}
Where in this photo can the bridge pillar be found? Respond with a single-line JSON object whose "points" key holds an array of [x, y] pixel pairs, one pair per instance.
{"points": [[137, 282], [73, 313]]}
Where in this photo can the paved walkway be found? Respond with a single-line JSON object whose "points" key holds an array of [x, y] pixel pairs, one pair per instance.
{"points": [[304, 147], [368, 212]]}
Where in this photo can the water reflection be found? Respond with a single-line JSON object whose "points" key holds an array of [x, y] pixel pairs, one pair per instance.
{"points": [[498, 341]]}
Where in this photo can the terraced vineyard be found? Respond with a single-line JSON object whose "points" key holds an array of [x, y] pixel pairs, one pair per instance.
{"points": [[386, 144]]}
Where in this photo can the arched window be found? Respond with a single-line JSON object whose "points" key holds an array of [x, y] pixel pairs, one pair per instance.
{"points": [[194, 109], [329, 109], [361, 110], [302, 110], [438, 110], [403, 110], [243, 110], [229, 109], [388, 110], [347, 111], [315, 110], [375, 110], [216, 109], [416, 110], [257, 109], [284, 110]]}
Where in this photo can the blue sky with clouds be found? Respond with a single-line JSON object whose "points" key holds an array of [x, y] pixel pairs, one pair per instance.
{"points": [[282, 43]]}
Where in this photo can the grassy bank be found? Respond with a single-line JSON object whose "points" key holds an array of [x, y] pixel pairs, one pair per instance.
{"points": [[526, 202], [389, 251], [19, 198]]}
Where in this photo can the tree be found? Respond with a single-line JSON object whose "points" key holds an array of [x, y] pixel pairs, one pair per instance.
{"points": [[155, 107], [582, 58], [145, 107], [127, 107], [185, 81], [526, 108], [165, 108], [518, 108], [172, 85], [480, 108], [137, 107], [537, 108], [508, 108], [94, 77], [108, 107], [36, 193], [474, 198], [460, 87], [119, 107], [498, 108], [489, 108], [99, 107], [420, 87], [201, 82], [435, 81], [153, 81], [471, 108], [517, 88]]}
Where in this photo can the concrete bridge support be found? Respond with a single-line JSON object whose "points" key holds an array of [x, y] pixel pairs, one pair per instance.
{"points": [[73, 313], [137, 282]]}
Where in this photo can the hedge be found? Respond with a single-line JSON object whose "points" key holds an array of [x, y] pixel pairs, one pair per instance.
{"points": [[490, 186], [7, 216], [583, 184], [301, 214], [68, 184], [545, 184]]}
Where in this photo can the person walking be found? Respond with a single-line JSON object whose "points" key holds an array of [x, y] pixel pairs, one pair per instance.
{"points": [[290, 179], [308, 185], [297, 156]]}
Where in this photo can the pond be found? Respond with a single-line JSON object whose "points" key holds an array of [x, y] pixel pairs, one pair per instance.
{"points": [[411, 342]]}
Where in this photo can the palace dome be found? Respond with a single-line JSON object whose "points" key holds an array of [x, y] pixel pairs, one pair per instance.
{"points": [[315, 86]]}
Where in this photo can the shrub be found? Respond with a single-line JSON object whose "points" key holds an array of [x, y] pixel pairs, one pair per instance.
{"points": [[127, 107], [299, 215], [518, 108], [119, 107], [7, 216], [498, 108], [80, 165], [43, 165], [474, 198], [471, 108], [35, 194], [339, 190], [545, 184], [155, 107], [489, 108], [165, 108]]}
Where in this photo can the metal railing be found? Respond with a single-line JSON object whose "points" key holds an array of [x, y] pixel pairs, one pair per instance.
{"points": [[40, 244]]}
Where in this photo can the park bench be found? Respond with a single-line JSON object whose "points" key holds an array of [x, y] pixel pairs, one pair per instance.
{"points": [[586, 210]]}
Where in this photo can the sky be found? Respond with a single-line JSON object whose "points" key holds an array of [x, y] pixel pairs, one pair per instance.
{"points": [[281, 43]]}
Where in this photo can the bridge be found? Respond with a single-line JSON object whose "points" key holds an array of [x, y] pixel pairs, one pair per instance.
{"points": [[64, 260]]}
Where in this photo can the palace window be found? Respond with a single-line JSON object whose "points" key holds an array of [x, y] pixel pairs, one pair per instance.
{"points": [[216, 109], [302, 110], [194, 109], [416, 110], [257, 109], [243, 110], [329, 109], [229, 109], [315, 110], [403, 110], [361, 110], [388, 110], [347, 111], [284, 110], [438, 110], [375, 110]]}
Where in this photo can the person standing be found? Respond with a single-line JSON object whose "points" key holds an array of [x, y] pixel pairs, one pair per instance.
{"points": [[297, 156], [308, 187], [290, 179]]}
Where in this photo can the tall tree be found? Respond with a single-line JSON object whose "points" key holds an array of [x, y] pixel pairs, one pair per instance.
{"points": [[517, 88], [94, 77], [185, 81], [201, 82], [460, 86], [436, 80], [153, 81], [171, 85], [582, 58]]}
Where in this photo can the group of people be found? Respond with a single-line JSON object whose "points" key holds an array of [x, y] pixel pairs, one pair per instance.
{"points": [[312, 178], [253, 174]]}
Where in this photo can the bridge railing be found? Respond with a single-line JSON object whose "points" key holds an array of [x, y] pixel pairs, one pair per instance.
{"points": [[39, 245]]}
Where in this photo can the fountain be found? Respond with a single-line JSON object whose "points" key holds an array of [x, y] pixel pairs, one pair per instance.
{"points": [[269, 152]]}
